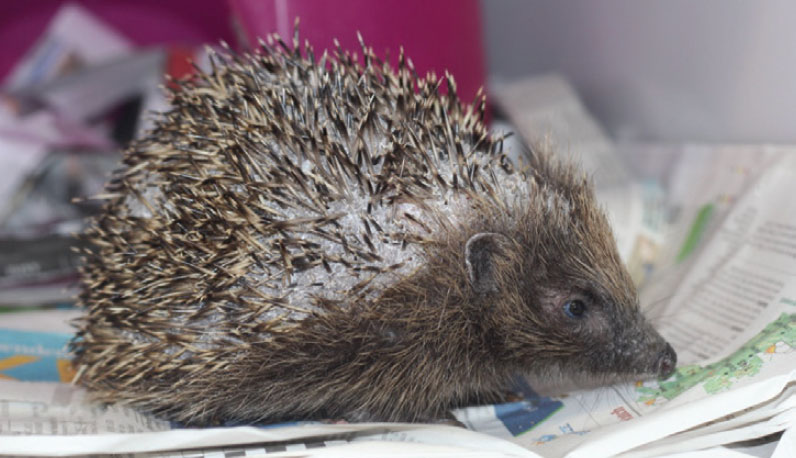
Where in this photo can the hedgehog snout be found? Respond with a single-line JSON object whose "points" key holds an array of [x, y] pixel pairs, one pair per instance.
{"points": [[667, 360]]}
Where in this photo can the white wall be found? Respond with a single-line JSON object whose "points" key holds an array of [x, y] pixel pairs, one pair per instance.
{"points": [[673, 70]]}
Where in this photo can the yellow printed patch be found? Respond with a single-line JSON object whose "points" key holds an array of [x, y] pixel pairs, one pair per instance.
{"points": [[66, 371], [14, 361]]}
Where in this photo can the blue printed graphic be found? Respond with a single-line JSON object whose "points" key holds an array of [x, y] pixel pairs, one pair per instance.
{"points": [[34, 356], [521, 417]]}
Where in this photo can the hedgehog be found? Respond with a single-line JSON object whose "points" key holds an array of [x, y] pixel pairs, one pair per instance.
{"points": [[302, 238]]}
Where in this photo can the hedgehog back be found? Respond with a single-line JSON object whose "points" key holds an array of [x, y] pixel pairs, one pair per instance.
{"points": [[278, 187]]}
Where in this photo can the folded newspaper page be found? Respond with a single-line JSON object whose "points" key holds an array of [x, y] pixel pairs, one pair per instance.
{"points": [[54, 419]]}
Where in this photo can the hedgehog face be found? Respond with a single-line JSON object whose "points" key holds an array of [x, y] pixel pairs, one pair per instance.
{"points": [[571, 318], [596, 306], [598, 336]]}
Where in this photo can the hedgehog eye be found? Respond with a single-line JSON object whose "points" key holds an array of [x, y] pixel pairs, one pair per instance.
{"points": [[575, 308]]}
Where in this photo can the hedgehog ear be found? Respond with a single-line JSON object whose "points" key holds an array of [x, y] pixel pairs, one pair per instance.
{"points": [[480, 256]]}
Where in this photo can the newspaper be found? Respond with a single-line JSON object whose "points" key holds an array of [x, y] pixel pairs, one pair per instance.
{"points": [[53, 419]]}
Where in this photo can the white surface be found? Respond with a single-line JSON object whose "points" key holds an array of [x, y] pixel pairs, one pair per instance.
{"points": [[678, 70], [41, 320]]}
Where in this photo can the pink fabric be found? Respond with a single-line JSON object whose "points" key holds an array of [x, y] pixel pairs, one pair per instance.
{"points": [[436, 34]]}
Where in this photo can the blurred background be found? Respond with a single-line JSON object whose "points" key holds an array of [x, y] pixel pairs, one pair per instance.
{"points": [[639, 92], [672, 71]]}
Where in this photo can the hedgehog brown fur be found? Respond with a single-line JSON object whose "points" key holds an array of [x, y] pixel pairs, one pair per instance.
{"points": [[303, 239]]}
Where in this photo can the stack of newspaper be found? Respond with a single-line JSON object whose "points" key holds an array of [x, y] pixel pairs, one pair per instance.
{"points": [[718, 264]]}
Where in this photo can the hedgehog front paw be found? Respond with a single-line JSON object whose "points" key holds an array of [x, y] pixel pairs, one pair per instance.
{"points": [[449, 420]]}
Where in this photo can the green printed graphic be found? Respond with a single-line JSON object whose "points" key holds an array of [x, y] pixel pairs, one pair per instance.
{"points": [[695, 234], [778, 337]]}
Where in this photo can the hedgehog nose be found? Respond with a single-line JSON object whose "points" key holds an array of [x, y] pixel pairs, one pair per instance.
{"points": [[666, 362]]}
